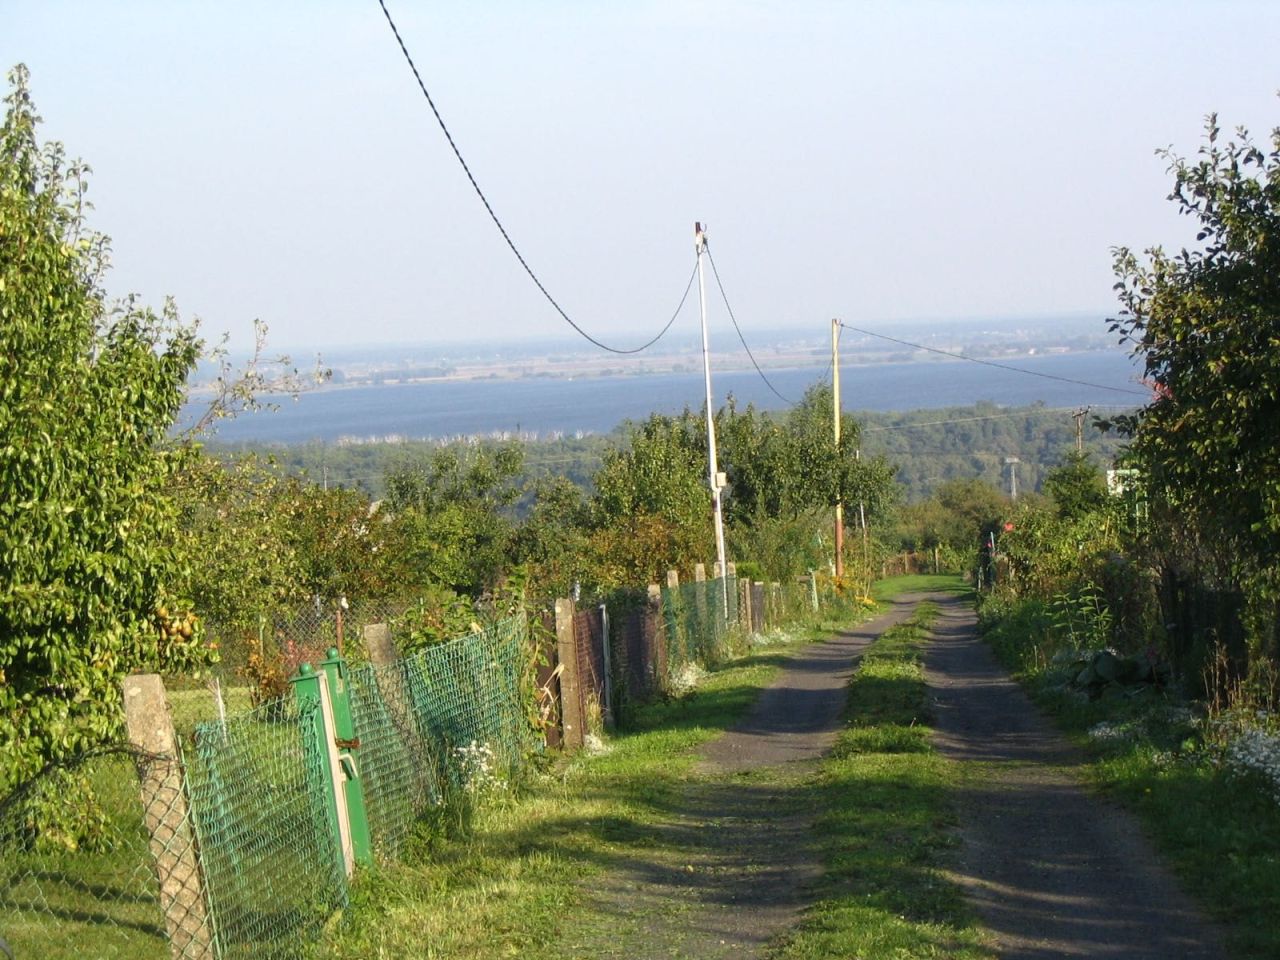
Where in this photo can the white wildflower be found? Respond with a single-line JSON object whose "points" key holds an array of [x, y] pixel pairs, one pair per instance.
{"points": [[1110, 732], [1258, 752], [477, 765], [686, 679]]}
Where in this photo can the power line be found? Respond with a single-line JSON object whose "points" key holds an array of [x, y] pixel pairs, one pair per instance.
{"points": [[992, 363], [741, 338], [494, 216]]}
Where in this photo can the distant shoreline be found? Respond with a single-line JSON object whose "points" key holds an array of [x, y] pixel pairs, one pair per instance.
{"points": [[542, 369], [468, 406]]}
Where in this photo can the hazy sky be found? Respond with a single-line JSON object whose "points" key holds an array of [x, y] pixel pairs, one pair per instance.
{"points": [[873, 161]]}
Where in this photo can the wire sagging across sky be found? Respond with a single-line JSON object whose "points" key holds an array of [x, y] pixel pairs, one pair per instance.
{"points": [[992, 363], [767, 382], [498, 223]]}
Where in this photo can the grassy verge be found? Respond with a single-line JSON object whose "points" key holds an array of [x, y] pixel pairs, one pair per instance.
{"points": [[505, 886], [884, 794], [1220, 833]]}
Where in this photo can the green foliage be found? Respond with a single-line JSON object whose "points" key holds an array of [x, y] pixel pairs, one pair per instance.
{"points": [[239, 560], [1206, 323], [651, 510], [783, 468], [87, 531], [1076, 487], [455, 507], [553, 542]]}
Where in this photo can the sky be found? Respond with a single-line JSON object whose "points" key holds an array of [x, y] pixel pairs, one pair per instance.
{"points": [[883, 163]]}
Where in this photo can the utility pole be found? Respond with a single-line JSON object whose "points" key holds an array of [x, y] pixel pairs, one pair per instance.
{"points": [[713, 470], [1013, 476], [835, 420], [1079, 416]]}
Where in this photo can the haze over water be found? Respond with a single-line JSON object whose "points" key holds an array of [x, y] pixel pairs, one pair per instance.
{"points": [[543, 406]]}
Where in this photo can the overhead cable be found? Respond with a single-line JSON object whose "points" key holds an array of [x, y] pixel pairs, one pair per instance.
{"points": [[498, 223], [725, 297], [992, 363]]}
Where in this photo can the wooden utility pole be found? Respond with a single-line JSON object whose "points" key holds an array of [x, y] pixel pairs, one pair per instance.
{"points": [[835, 419], [1079, 416]]}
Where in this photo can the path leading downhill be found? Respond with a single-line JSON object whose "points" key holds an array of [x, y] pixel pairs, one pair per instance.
{"points": [[734, 864], [1053, 869]]}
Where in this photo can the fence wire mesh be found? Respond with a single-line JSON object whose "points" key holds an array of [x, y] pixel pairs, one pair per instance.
{"points": [[76, 876], [697, 618], [271, 865], [447, 718]]}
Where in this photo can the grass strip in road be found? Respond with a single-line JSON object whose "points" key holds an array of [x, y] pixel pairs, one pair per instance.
{"points": [[509, 882], [885, 826]]}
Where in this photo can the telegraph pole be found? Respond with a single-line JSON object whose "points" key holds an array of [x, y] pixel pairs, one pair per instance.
{"points": [[1079, 416], [835, 419], [713, 470]]}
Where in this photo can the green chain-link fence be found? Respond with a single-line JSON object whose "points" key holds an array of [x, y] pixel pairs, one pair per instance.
{"points": [[698, 616], [76, 876], [446, 718], [271, 866], [235, 852]]}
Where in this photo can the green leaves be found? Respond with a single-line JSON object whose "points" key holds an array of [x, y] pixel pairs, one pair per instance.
{"points": [[1206, 322], [87, 531]]}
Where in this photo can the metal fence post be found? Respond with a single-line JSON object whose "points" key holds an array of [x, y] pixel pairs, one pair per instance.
{"points": [[607, 660], [312, 692], [344, 730], [167, 818]]}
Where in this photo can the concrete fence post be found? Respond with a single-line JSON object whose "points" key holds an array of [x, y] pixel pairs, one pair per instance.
{"points": [[734, 614], [656, 639], [392, 685], [705, 628], [573, 720], [167, 819]]}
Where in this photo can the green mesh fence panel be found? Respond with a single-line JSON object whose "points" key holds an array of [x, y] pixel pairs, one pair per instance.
{"points": [[399, 762], [78, 868], [77, 879], [445, 718], [697, 620], [268, 851]]}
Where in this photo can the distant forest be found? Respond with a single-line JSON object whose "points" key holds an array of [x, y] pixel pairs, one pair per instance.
{"points": [[929, 447]]}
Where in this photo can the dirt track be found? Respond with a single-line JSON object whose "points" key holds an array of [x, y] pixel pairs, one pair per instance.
{"points": [[745, 862], [1053, 869]]}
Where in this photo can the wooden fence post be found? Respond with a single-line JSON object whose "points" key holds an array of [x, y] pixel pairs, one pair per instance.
{"points": [[167, 818], [572, 719]]}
